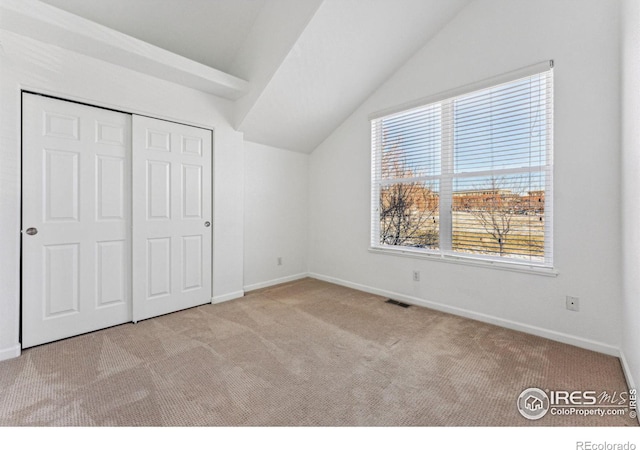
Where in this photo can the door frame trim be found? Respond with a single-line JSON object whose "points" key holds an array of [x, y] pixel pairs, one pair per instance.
{"points": [[24, 89]]}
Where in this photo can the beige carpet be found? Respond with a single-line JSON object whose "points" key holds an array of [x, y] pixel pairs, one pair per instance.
{"points": [[302, 353]]}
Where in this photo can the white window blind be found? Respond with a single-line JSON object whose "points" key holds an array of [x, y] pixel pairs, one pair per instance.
{"points": [[468, 176]]}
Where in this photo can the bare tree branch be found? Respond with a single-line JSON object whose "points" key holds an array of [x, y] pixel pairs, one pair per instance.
{"points": [[495, 206], [408, 210]]}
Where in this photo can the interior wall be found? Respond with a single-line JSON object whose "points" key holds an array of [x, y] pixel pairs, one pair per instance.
{"points": [[32, 65], [631, 188], [275, 218], [486, 39]]}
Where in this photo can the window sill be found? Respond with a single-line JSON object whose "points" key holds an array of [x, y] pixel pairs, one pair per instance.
{"points": [[468, 261]]}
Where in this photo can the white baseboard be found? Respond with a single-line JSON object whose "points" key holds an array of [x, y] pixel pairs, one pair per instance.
{"points": [[11, 352], [627, 372], [227, 297], [505, 323], [264, 284]]}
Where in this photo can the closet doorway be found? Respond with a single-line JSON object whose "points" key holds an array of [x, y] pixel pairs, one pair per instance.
{"points": [[116, 218]]}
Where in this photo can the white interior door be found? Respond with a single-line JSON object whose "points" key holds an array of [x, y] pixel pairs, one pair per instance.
{"points": [[76, 245], [171, 217]]}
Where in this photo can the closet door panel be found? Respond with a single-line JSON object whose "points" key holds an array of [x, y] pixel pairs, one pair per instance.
{"points": [[76, 246], [171, 217]]}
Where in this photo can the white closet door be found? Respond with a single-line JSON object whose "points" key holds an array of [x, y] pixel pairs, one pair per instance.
{"points": [[171, 217], [76, 206]]}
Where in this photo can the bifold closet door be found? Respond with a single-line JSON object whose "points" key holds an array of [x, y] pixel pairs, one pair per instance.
{"points": [[171, 217], [76, 247]]}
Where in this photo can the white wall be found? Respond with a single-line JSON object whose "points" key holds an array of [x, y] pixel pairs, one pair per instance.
{"points": [[32, 65], [631, 188], [489, 38], [275, 217]]}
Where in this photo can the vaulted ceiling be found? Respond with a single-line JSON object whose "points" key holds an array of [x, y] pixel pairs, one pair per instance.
{"points": [[296, 69]]}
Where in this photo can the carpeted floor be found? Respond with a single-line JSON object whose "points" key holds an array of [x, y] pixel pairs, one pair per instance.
{"points": [[304, 353]]}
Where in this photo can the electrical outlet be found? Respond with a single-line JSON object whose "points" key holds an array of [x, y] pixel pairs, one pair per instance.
{"points": [[279, 260], [573, 303], [416, 275]]}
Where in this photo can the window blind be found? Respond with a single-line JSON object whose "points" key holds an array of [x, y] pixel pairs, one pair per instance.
{"points": [[469, 175]]}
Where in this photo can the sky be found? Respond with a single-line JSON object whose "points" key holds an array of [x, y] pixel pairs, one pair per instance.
{"points": [[498, 130]]}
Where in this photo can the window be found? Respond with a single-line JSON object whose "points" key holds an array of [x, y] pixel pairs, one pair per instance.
{"points": [[468, 176]]}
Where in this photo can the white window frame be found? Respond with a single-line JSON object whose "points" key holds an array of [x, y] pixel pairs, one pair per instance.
{"points": [[446, 177]]}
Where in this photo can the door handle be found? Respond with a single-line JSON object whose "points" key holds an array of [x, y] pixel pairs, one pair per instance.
{"points": [[32, 231], [207, 224]]}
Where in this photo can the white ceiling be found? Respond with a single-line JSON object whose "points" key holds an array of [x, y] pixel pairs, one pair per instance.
{"points": [[207, 31], [309, 63], [345, 53]]}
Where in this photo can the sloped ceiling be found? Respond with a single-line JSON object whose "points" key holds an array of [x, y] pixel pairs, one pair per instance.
{"points": [[211, 32], [346, 51], [308, 63]]}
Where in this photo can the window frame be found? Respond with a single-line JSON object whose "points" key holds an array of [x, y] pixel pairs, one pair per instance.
{"points": [[447, 176]]}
